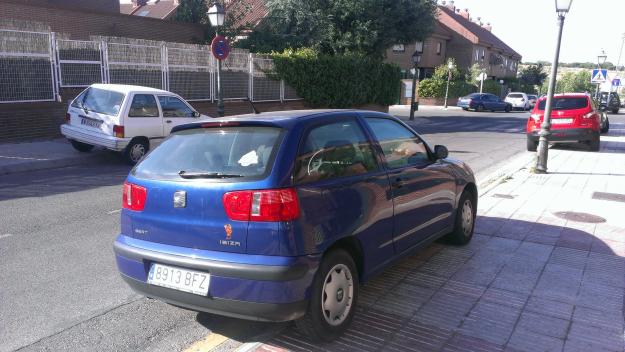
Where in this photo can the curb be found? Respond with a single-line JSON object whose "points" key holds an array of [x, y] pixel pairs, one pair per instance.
{"points": [[494, 179], [45, 165]]}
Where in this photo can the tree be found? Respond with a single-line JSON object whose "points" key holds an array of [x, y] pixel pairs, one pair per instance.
{"points": [[193, 11], [575, 82], [366, 27], [531, 76]]}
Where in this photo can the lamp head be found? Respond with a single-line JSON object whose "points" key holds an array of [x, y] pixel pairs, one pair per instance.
{"points": [[563, 6], [602, 57], [216, 15]]}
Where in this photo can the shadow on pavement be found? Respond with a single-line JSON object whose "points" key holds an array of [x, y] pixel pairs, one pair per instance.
{"points": [[471, 123], [514, 286], [42, 183]]}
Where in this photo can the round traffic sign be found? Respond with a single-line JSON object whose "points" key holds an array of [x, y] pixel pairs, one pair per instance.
{"points": [[220, 47]]}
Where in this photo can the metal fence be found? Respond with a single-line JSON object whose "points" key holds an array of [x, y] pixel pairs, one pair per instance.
{"points": [[34, 66], [26, 66]]}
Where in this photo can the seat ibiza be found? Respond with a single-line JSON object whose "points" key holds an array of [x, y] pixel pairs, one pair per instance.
{"points": [[281, 216]]}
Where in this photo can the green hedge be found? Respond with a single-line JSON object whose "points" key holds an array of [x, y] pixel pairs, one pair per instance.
{"points": [[338, 81], [435, 88]]}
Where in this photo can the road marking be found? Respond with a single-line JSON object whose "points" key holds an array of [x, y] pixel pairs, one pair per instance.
{"points": [[5, 235], [206, 344], [114, 211], [249, 346]]}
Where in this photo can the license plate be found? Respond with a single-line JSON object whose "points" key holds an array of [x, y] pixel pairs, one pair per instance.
{"points": [[91, 122], [561, 121], [191, 281]]}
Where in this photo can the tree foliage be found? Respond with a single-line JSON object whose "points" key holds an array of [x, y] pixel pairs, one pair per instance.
{"points": [[336, 27], [338, 81], [193, 11], [575, 82], [436, 86], [532, 76]]}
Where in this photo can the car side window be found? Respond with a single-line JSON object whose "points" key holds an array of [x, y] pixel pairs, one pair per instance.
{"points": [[143, 105], [400, 146], [174, 107], [334, 150]]}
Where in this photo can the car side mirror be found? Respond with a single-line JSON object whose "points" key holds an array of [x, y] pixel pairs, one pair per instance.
{"points": [[441, 152], [196, 114]]}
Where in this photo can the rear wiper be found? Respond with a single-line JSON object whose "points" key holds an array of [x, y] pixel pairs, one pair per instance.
{"points": [[204, 174]]}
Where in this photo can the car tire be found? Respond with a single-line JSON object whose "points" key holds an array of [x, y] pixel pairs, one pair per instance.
{"points": [[606, 127], [615, 111], [465, 220], [136, 149], [595, 143], [532, 146], [465, 109], [508, 108], [320, 324], [81, 147], [479, 108]]}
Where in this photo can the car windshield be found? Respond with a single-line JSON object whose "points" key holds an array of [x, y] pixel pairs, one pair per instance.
{"points": [[565, 103], [212, 153], [513, 95], [101, 101], [532, 97]]}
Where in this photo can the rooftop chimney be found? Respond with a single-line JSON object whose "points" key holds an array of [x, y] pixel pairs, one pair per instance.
{"points": [[488, 27], [465, 13], [451, 6]]}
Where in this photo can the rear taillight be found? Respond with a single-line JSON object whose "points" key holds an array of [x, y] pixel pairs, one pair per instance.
{"points": [[589, 115], [118, 131], [68, 118], [262, 205], [134, 197]]}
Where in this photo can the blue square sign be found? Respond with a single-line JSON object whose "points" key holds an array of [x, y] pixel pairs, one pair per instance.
{"points": [[616, 82]]}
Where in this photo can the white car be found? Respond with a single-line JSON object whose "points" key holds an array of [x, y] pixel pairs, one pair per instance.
{"points": [[123, 118], [518, 100]]}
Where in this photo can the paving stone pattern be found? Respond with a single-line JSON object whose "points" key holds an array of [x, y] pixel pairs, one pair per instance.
{"points": [[529, 280]]}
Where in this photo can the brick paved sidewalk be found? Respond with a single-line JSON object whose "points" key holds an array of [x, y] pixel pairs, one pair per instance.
{"points": [[544, 272]]}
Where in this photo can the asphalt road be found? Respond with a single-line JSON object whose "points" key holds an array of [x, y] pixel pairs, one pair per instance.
{"points": [[59, 288]]}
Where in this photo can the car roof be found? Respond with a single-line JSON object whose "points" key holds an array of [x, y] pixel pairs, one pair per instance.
{"points": [[124, 88], [567, 95], [280, 118]]}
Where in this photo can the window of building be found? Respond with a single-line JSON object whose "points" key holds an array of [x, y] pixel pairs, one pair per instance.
{"points": [[439, 48], [399, 48]]}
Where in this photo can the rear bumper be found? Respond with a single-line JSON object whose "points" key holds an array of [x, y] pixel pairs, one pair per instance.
{"points": [[94, 138], [565, 135], [255, 287]]}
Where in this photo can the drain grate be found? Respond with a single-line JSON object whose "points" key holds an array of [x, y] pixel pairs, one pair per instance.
{"points": [[579, 217], [615, 197], [504, 196]]}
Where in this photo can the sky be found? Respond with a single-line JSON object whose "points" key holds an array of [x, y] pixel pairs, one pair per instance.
{"points": [[530, 27]]}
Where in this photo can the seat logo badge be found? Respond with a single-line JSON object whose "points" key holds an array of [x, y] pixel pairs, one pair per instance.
{"points": [[180, 199], [228, 229]]}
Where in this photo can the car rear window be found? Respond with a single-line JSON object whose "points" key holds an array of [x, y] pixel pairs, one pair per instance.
{"points": [[213, 153], [515, 95], [473, 95], [101, 101], [565, 103]]}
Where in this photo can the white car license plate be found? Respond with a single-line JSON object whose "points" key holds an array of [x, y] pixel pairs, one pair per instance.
{"points": [[561, 121], [191, 281], [91, 122]]}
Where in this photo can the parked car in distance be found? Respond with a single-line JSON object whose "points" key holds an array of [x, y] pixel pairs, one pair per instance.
{"points": [[532, 99], [123, 118], [483, 101], [518, 100], [613, 104], [280, 216], [574, 118]]}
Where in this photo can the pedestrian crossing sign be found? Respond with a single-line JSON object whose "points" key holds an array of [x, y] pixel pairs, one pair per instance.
{"points": [[599, 76]]}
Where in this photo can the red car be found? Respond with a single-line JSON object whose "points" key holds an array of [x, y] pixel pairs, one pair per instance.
{"points": [[574, 118]]}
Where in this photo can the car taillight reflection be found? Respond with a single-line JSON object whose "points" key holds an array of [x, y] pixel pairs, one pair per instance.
{"points": [[134, 196], [262, 205]]}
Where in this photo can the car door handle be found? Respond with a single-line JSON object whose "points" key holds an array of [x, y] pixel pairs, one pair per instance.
{"points": [[168, 121], [398, 183]]}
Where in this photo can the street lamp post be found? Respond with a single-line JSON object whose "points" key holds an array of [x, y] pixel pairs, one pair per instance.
{"points": [[562, 7], [416, 58], [450, 66], [216, 15], [601, 59]]}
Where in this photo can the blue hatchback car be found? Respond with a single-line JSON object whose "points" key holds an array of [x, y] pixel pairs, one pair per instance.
{"points": [[280, 216]]}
